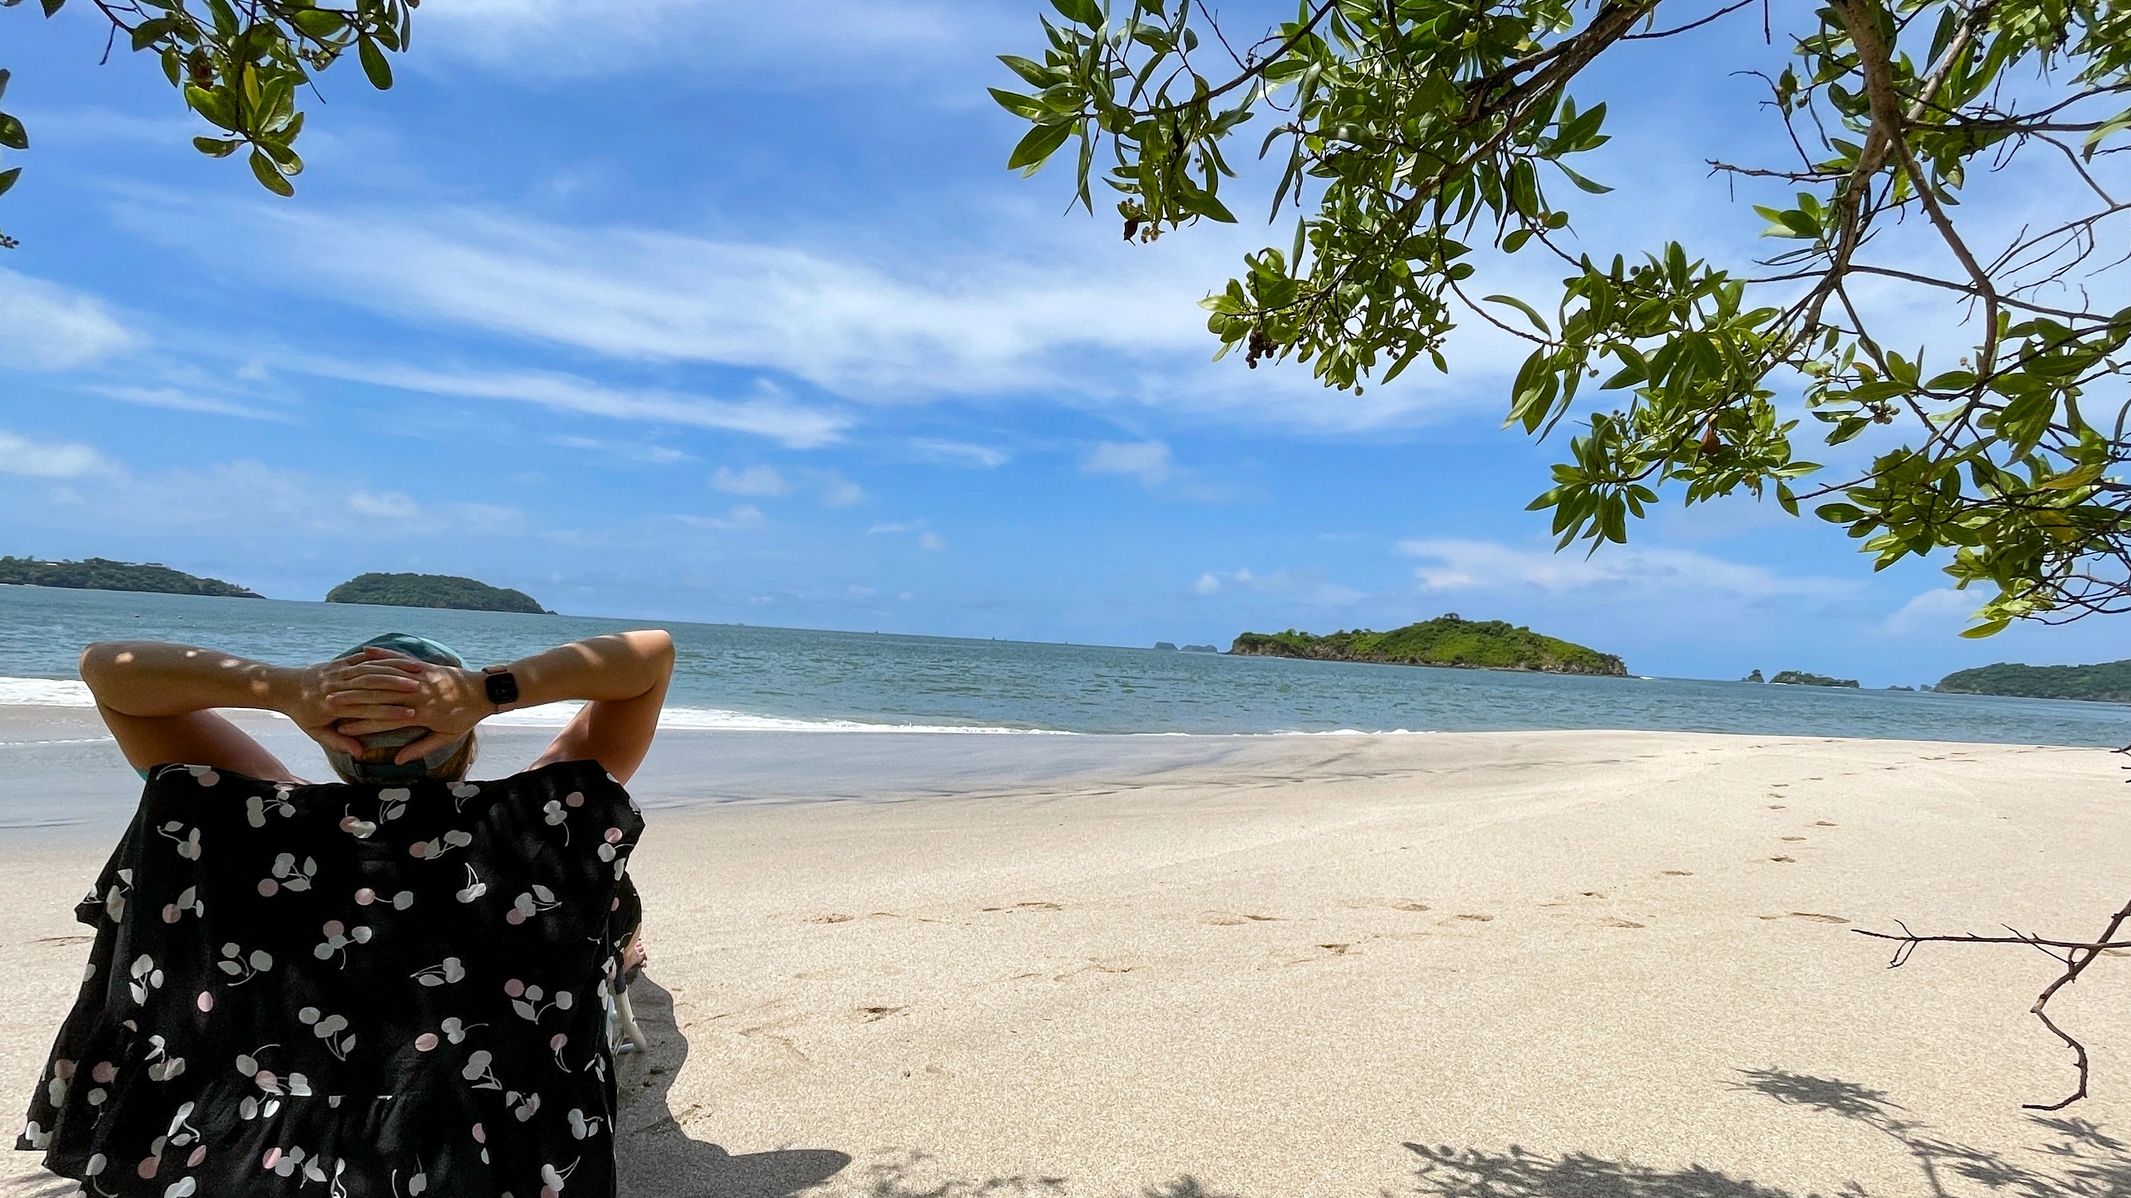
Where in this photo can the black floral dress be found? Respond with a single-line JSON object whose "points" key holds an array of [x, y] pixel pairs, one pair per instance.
{"points": [[348, 991]]}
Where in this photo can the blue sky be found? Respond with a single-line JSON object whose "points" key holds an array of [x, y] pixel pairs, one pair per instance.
{"points": [[699, 310]]}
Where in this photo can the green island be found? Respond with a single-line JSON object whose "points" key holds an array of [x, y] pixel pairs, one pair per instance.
{"points": [[1801, 678], [2106, 682], [1447, 640], [433, 590], [103, 574]]}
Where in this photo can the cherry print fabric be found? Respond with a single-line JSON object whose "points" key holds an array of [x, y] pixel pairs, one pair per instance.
{"points": [[349, 991]]}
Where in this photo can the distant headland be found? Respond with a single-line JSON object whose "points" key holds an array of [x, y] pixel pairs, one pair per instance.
{"points": [[2107, 682], [448, 591], [103, 574], [1447, 640]]}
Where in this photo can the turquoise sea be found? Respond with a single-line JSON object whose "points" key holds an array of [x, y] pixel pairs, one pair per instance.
{"points": [[793, 680]]}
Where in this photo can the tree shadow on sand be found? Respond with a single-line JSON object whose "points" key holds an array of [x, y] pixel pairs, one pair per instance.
{"points": [[2074, 1159], [657, 1157]]}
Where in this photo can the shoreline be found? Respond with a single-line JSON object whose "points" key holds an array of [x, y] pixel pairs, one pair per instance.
{"points": [[1530, 965]]}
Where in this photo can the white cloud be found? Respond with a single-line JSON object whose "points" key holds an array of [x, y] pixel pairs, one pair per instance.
{"points": [[1459, 564], [48, 459], [179, 399], [959, 453], [1307, 587], [1148, 461], [838, 491], [44, 326], [762, 481], [1943, 610], [1012, 316], [388, 505], [656, 455], [552, 41], [795, 425], [931, 541], [743, 515]]}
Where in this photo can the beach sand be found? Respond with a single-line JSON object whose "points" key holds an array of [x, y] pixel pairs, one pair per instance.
{"points": [[1489, 965]]}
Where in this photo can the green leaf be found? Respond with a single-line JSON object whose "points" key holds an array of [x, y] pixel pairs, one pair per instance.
{"points": [[1595, 188], [1040, 143], [53, 6], [216, 147], [1084, 12], [319, 22], [375, 66], [3, 81], [1035, 74], [7, 179], [147, 33], [1022, 106], [270, 177], [1530, 313], [1991, 628], [1839, 513], [12, 134]]}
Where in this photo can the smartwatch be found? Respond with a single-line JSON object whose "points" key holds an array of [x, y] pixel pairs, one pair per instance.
{"points": [[501, 685]]}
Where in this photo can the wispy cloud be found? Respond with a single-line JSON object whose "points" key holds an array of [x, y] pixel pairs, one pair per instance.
{"points": [[761, 481], [742, 515], [798, 426], [45, 326], [1150, 462], [650, 454], [180, 399], [551, 42], [48, 459], [958, 453], [1941, 611], [1449, 564], [1303, 588]]}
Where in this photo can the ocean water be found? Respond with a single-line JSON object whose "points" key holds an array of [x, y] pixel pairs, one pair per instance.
{"points": [[790, 680]]}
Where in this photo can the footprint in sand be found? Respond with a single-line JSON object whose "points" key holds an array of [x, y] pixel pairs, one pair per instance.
{"points": [[831, 917], [64, 939], [1477, 918], [1384, 904], [1814, 916], [1785, 860], [1305, 956], [1777, 807], [1032, 905], [876, 1014], [1791, 838], [1615, 921], [1096, 965], [1821, 823], [1229, 919], [1679, 873]]}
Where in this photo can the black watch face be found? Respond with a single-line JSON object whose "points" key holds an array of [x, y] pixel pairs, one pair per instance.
{"points": [[502, 689]]}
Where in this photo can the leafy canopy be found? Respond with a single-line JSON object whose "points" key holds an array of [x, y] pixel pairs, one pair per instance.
{"points": [[1410, 132], [240, 65]]}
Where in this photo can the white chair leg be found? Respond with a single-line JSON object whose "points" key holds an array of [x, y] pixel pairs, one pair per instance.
{"points": [[625, 1016]]}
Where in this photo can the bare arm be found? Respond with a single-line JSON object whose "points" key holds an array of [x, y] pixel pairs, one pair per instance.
{"points": [[621, 678], [159, 701]]}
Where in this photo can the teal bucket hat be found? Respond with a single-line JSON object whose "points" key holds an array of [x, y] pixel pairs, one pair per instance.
{"points": [[376, 764]]}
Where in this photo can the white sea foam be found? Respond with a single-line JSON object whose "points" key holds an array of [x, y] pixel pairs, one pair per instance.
{"points": [[44, 692], [65, 692]]}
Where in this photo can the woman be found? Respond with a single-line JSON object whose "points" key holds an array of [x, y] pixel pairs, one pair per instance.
{"points": [[159, 701], [391, 986]]}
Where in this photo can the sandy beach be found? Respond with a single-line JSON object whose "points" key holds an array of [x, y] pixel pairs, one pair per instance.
{"points": [[1483, 965]]}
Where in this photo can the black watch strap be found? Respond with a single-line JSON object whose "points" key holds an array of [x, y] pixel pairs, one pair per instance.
{"points": [[501, 686]]}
